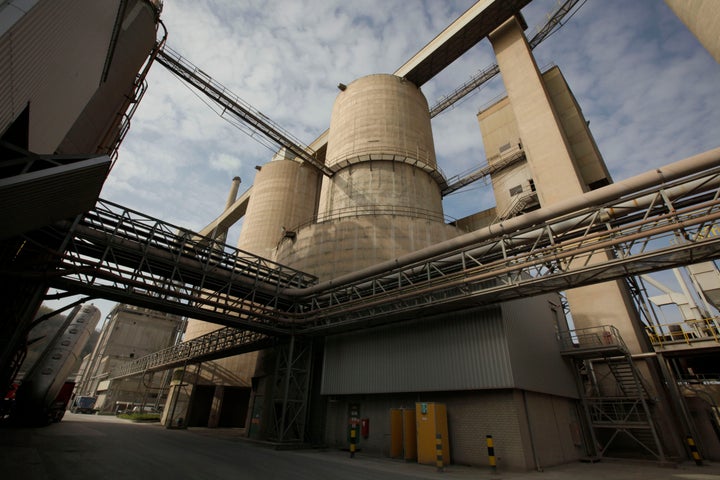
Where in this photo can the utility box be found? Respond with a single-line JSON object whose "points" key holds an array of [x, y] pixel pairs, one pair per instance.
{"points": [[403, 434], [431, 421]]}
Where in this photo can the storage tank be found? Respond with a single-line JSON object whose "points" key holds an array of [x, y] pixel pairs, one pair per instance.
{"points": [[45, 379], [381, 141], [384, 199], [284, 195]]}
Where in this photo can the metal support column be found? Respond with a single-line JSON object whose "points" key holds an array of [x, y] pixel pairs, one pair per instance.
{"points": [[291, 391]]}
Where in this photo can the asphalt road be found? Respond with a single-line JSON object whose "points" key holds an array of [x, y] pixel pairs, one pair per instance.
{"points": [[99, 447], [102, 447]]}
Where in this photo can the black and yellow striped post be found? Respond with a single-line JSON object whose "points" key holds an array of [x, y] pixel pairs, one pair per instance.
{"points": [[491, 453], [353, 441], [439, 452], [694, 451]]}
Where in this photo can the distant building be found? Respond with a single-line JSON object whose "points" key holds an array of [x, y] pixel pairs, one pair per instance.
{"points": [[129, 332]]}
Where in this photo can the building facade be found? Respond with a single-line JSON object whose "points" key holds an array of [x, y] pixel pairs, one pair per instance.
{"points": [[129, 332]]}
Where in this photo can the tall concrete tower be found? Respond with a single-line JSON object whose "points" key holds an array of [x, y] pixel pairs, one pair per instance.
{"points": [[541, 115], [557, 174]]}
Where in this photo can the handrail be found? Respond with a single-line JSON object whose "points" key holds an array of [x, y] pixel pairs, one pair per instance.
{"points": [[600, 337], [688, 332]]}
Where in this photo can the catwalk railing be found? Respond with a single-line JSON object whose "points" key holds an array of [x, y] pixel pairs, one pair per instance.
{"points": [[220, 343], [689, 332], [613, 393], [653, 229]]}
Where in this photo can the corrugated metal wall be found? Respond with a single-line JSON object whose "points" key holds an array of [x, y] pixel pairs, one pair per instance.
{"points": [[509, 346], [458, 352], [57, 46]]}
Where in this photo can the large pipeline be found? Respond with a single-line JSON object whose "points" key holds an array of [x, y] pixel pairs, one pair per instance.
{"points": [[682, 168]]}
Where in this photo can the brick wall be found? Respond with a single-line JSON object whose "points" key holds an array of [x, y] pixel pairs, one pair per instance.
{"points": [[553, 430]]}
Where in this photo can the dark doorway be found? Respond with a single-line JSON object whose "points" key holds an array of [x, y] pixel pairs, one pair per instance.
{"points": [[201, 405], [234, 407]]}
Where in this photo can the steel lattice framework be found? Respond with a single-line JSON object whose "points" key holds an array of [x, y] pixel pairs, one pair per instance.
{"points": [[120, 254], [258, 125], [221, 343], [125, 256], [655, 229]]}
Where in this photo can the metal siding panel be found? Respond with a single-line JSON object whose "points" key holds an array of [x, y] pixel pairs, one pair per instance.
{"points": [[457, 352], [104, 111], [534, 349], [68, 57], [6, 94]]}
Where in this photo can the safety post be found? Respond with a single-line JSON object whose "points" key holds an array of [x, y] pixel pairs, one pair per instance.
{"points": [[694, 450], [491, 453], [439, 452], [353, 441]]}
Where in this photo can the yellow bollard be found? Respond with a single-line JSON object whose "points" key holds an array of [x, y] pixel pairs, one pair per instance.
{"points": [[694, 450], [491, 453], [353, 441], [439, 452]]}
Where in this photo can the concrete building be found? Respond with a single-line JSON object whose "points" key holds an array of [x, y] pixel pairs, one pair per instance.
{"points": [[129, 332], [486, 365]]}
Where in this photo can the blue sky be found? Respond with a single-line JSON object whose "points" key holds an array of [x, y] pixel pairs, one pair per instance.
{"points": [[645, 84]]}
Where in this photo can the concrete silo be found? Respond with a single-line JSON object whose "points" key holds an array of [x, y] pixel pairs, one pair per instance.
{"points": [[384, 198], [284, 195]]}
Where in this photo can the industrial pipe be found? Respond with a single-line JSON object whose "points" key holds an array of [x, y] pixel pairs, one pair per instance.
{"points": [[673, 171]]}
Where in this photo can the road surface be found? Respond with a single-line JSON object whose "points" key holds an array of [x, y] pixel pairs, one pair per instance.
{"points": [[95, 447]]}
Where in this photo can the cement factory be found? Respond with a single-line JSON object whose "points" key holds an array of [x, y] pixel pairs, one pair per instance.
{"points": [[345, 258]]}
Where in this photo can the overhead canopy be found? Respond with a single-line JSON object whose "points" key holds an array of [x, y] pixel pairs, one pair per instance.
{"points": [[38, 190]]}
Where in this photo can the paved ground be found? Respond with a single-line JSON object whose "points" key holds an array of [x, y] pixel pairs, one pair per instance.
{"points": [[95, 447]]}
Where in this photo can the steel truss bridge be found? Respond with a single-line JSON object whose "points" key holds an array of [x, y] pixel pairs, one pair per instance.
{"points": [[651, 222]]}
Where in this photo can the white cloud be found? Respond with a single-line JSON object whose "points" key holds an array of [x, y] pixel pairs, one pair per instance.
{"points": [[226, 163]]}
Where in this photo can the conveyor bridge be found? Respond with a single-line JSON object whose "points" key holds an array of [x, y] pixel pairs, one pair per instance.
{"points": [[651, 222]]}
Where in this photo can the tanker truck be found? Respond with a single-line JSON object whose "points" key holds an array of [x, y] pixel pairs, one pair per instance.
{"points": [[44, 391]]}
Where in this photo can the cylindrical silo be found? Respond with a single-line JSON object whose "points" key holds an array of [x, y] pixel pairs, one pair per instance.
{"points": [[384, 199], [284, 195], [381, 140]]}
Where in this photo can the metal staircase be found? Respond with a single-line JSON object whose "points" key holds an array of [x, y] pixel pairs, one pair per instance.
{"points": [[518, 205], [616, 402]]}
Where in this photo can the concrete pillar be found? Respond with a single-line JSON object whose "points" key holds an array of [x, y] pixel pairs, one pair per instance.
{"points": [[702, 18], [557, 176], [553, 168], [216, 408]]}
